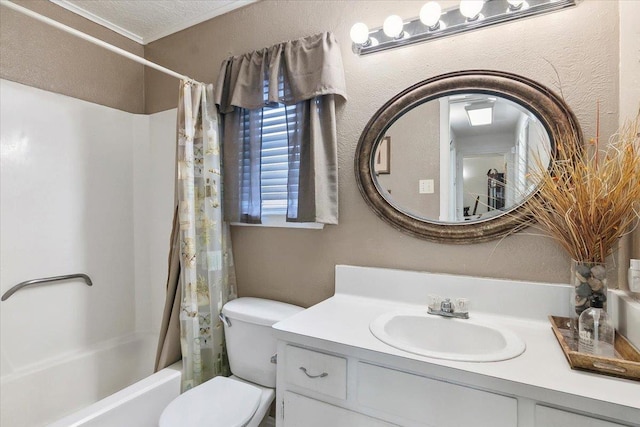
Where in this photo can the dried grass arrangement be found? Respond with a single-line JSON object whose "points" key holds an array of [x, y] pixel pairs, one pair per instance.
{"points": [[589, 196]]}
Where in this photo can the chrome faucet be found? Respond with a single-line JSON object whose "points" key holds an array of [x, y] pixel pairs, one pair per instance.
{"points": [[447, 309]]}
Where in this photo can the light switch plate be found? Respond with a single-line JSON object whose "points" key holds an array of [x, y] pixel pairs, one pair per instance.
{"points": [[425, 186]]}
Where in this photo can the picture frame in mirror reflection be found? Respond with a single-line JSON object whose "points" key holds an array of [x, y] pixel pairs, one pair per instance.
{"points": [[382, 159]]}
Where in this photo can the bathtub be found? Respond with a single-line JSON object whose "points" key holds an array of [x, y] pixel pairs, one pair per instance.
{"points": [[138, 405], [90, 381]]}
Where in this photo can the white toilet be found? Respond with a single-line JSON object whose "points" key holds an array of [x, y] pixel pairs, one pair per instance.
{"points": [[243, 399]]}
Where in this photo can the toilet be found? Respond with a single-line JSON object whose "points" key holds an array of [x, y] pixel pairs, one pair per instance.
{"points": [[244, 398]]}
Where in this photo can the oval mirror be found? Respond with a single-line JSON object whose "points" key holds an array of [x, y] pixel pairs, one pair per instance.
{"points": [[449, 159]]}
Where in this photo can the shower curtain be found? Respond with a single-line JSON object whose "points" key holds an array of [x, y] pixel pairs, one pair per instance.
{"points": [[201, 272]]}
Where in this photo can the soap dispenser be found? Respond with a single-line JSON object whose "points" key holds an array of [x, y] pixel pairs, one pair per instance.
{"points": [[595, 332]]}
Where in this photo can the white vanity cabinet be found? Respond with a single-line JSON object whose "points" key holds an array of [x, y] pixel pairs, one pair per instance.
{"points": [[424, 401], [317, 388], [333, 372], [551, 417], [303, 411]]}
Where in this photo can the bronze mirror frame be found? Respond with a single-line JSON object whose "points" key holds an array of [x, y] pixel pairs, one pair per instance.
{"points": [[554, 114]]}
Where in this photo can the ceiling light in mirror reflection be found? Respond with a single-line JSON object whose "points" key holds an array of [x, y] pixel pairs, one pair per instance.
{"points": [[479, 114], [14, 148], [436, 140]]}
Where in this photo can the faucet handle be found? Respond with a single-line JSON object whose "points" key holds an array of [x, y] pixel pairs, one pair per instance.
{"points": [[434, 302], [462, 305]]}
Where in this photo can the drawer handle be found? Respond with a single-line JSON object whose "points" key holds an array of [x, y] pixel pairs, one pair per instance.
{"points": [[322, 375]]}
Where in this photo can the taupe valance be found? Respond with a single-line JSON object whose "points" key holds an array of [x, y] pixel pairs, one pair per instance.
{"points": [[309, 67], [305, 75]]}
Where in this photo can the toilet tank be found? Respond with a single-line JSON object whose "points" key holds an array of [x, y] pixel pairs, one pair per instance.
{"points": [[250, 340]]}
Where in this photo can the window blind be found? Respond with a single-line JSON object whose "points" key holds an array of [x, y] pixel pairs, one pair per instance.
{"points": [[278, 122], [275, 159]]}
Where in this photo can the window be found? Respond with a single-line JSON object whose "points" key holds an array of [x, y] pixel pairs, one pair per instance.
{"points": [[275, 159], [272, 150], [275, 124]]}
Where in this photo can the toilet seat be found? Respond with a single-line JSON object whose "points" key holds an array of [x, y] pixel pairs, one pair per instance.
{"points": [[219, 402]]}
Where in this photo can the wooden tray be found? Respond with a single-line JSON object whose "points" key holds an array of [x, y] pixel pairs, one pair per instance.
{"points": [[625, 364]]}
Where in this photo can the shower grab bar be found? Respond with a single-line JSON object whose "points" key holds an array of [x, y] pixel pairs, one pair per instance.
{"points": [[34, 282]]}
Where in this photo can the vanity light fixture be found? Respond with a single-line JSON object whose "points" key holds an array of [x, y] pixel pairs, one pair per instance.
{"points": [[392, 27], [517, 5], [430, 15], [360, 33], [471, 9], [434, 22], [480, 114]]}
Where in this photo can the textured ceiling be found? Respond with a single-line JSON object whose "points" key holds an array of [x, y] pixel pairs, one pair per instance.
{"points": [[147, 20]]}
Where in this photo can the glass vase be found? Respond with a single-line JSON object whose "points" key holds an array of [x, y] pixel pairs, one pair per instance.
{"points": [[588, 280]]}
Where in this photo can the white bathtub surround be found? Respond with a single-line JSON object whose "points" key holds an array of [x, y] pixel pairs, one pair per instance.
{"points": [[71, 197], [153, 216], [334, 337], [138, 405], [46, 392]]}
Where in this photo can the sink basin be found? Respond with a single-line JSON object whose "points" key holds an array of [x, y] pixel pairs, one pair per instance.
{"points": [[466, 340]]}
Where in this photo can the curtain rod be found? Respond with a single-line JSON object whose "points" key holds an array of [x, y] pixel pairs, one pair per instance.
{"points": [[93, 40]]}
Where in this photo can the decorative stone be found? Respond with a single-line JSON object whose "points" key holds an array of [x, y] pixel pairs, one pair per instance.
{"points": [[584, 290], [599, 272], [581, 304], [594, 284], [581, 278], [589, 281], [583, 272]]}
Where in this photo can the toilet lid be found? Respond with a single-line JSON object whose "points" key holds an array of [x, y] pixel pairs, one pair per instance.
{"points": [[219, 402]]}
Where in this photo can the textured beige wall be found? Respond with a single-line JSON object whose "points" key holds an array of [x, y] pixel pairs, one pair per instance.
{"points": [[415, 155], [297, 265], [581, 43], [35, 54]]}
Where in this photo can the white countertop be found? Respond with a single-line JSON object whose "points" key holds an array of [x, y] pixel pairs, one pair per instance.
{"points": [[538, 373]]}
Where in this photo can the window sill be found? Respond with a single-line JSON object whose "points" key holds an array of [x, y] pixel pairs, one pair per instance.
{"points": [[280, 221]]}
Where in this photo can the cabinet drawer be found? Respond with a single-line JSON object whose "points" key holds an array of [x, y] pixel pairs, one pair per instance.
{"points": [[550, 417], [319, 372], [302, 411], [432, 402]]}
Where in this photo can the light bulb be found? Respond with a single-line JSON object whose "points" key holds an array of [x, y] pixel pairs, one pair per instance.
{"points": [[359, 33], [430, 14], [392, 26], [471, 8], [517, 5]]}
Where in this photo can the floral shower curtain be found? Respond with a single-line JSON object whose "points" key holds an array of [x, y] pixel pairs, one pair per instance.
{"points": [[205, 279]]}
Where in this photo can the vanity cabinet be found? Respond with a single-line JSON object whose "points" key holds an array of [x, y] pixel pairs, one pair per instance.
{"points": [[320, 372], [318, 388], [333, 370], [302, 411], [551, 417], [419, 399]]}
